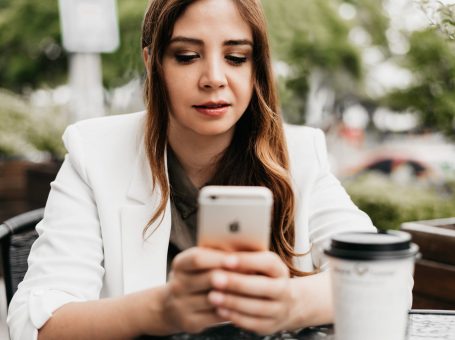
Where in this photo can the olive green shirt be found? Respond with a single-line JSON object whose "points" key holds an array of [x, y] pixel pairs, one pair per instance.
{"points": [[183, 208]]}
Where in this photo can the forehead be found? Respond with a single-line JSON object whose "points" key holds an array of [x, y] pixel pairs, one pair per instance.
{"points": [[212, 19]]}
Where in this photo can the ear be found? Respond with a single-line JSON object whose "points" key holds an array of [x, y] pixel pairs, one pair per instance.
{"points": [[145, 57]]}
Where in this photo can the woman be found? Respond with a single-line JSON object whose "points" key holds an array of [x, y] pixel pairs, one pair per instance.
{"points": [[122, 207]]}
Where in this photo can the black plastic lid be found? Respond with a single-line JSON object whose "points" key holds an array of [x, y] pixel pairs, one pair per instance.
{"points": [[372, 246]]}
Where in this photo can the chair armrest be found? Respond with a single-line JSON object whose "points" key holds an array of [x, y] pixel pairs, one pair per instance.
{"points": [[22, 222]]}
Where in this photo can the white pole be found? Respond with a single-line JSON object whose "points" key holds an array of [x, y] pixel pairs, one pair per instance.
{"points": [[89, 27], [85, 80]]}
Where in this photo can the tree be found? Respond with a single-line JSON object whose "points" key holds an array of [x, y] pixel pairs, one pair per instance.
{"points": [[313, 39], [30, 42], [432, 60], [32, 53]]}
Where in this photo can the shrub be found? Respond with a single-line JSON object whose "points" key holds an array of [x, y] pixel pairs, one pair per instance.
{"points": [[29, 132], [389, 203]]}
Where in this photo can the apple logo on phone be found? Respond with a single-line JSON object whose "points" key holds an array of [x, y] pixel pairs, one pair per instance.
{"points": [[234, 227]]}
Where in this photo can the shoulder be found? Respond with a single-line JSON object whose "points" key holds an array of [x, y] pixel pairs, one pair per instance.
{"points": [[304, 139], [109, 125], [108, 131], [110, 141], [301, 132]]}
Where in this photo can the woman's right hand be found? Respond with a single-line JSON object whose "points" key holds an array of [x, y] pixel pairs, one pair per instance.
{"points": [[185, 305]]}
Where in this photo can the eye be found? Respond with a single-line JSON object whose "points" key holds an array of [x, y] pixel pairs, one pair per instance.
{"points": [[236, 60], [186, 58]]}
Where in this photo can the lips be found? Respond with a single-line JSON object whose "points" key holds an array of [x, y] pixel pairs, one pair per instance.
{"points": [[213, 109], [212, 105]]}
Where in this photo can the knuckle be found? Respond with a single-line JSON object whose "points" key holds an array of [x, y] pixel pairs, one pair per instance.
{"points": [[273, 257], [276, 264], [230, 301], [176, 287], [242, 286], [233, 281], [197, 260], [184, 258], [176, 263]]}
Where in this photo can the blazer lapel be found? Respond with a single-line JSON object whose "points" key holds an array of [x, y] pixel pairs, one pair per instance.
{"points": [[144, 256]]}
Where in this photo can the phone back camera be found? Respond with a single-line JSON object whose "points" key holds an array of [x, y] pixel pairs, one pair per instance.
{"points": [[234, 227]]}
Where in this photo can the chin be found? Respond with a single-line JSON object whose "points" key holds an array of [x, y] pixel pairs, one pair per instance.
{"points": [[214, 130]]}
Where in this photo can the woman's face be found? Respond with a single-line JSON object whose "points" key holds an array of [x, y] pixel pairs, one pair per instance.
{"points": [[208, 69]]}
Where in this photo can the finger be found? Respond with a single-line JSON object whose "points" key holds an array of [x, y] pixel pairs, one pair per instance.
{"points": [[197, 303], [245, 305], [265, 263], [197, 259], [249, 285], [254, 324], [183, 282]]}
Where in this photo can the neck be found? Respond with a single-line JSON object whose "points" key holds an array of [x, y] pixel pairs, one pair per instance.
{"points": [[198, 154]]}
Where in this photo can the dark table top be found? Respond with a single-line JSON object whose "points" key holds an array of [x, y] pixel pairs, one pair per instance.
{"points": [[422, 325]]}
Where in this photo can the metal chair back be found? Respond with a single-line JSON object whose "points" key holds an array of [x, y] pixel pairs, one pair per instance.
{"points": [[17, 235]]}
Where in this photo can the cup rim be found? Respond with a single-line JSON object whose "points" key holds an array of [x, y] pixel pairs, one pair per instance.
{"points": [[369, 246]]}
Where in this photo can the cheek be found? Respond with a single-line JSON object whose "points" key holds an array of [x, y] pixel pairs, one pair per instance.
{"points": [[246, 87], [248, 82], [176, 88]]}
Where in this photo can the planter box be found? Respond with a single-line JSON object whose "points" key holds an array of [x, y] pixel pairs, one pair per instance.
{"points": [[13, 187], [24, 185], [434, 286]]}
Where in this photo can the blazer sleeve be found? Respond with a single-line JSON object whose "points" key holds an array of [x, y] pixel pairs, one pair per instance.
{"points": [[331, 210], [66, 261]]}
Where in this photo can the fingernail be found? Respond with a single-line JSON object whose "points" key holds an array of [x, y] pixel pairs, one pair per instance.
{"points": [[219, 280], [231, 261], [216, 297]]}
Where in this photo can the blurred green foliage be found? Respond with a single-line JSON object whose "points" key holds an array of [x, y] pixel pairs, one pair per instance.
{"points": [[32, 57], [311, 35], [432, 59], [389, 203], [32, 54], [126, 63], [30, 43]]}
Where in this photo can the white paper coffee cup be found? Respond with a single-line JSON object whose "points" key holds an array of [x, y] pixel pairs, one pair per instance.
{"points": [[371, 284]]}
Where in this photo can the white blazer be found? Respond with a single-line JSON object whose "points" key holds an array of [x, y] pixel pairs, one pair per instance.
{"points": [[91, 243]]}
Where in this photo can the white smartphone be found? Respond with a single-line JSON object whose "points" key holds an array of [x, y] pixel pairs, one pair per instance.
{"points": [[235, 218]]}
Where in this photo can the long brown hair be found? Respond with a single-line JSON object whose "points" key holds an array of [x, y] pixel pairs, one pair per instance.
{"points": [[257, 154]]}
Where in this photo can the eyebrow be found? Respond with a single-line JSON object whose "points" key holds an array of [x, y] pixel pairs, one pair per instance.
{"points": [[194, 41]]}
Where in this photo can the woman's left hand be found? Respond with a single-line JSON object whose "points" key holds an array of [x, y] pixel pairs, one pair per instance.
{"points": [[255, 292]]}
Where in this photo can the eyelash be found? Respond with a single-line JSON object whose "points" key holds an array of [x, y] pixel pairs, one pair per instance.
{"points": [[188, 58], [185, 58], [235, 60]]}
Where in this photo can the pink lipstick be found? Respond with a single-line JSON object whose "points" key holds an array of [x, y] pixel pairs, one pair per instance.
{"points": [[213, 109]]}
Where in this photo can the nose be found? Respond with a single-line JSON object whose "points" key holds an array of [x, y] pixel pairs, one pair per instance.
{"points": [[213, 75]]}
